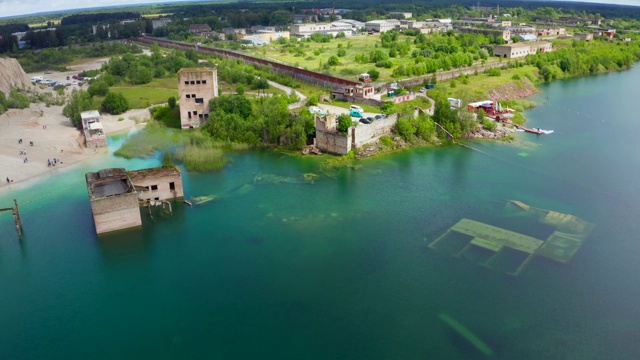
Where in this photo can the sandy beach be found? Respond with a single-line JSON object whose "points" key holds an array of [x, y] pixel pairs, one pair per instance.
{"points": [[52, 134]]}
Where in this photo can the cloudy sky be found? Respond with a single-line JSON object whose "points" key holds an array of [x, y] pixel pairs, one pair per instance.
{"points": [[23, 7]]}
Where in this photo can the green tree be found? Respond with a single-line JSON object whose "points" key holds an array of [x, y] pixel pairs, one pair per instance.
{"points": [[280, 17], [17, 100], [99, 88], [79, 101], [374, 74], [344, 123], [115, 103], [172, 102], [333, 61]]}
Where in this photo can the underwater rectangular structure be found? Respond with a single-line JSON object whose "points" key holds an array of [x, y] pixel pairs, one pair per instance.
{"points": [[561, 245]]}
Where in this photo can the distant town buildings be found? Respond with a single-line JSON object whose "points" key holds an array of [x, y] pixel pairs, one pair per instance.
{"points": [[306, 30], [200, 30], [159, 22], [196, 86], [381, 26], [583, 36], [517, 50]]}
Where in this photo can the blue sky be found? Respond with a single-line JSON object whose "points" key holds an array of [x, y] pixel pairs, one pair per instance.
{"points": [[23, 7]]}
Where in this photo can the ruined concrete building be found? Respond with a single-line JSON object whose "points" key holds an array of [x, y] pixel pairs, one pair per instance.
{"points": [[161, 183], [92, 127], [196, 86], [116, 195], [114, 200], [329, 139]]}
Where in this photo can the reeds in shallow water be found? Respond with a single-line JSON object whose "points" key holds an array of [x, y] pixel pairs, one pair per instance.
{"points": [[196, 150], [199, 158]]}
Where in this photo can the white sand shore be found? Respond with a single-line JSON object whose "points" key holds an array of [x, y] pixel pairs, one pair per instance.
{"points": [[53, 136]]}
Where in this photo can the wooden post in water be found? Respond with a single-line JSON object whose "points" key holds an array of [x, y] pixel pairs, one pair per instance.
{"points": [[17, 219]]}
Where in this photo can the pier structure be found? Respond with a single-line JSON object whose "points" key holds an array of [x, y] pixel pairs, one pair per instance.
{"points": [[16, 217]]}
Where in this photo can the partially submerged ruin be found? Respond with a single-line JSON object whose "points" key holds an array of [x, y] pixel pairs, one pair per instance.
{"points": [[116, 195]]}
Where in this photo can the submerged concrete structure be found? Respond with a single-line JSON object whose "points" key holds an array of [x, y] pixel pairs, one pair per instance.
{"points": [[114, 200], [159, 184], [116, 195]]}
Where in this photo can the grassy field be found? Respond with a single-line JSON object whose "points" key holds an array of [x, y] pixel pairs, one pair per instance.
{"points": [[155, 92], [478, 87], [155, 16], [316, 54]]}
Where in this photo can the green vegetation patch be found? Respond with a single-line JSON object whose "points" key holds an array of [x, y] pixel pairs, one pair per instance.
{"points": [[140, 97], [196, 150]]}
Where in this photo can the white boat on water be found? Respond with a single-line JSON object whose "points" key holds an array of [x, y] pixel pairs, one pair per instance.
{"points": [[545, 131]]}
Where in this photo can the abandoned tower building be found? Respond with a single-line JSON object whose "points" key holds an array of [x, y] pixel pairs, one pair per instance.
{"points": [[196, 86]]}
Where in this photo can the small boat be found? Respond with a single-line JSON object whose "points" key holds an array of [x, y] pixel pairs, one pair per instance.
{"points": [[545, 131]]}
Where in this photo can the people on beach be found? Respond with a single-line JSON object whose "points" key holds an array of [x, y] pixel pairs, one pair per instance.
{"points": [[26, 160], [31, 143], [8, 181], [19, 141]]}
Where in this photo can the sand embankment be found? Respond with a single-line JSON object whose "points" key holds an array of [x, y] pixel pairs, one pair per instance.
{"points": [[52, 134]]}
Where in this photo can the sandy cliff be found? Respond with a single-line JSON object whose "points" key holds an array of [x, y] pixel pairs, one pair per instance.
{"points": [[12, 75]]}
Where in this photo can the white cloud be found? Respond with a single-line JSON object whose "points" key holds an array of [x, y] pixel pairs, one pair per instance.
{"points": [[25, 7]]}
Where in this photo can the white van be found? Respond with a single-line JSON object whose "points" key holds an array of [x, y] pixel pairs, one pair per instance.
{"points": [[356, 108], [36, 79]]}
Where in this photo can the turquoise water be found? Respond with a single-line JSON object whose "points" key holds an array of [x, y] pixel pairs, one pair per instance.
{"points": [[340, 269]]}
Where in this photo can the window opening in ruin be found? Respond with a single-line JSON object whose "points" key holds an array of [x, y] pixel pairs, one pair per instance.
{"points": [[199, 101], [198, 82], [193, 82], [204, 82], [154, 187], [172, 186], [189, 114]]}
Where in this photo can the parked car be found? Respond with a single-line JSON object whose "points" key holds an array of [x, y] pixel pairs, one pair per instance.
{"points": [[370, 119], [422, 90], [76, 77], [317, 110], [365, 120], [79, 83], [380, 116], [356, 107], [67, 83], [355, 113], [47, 72]]}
